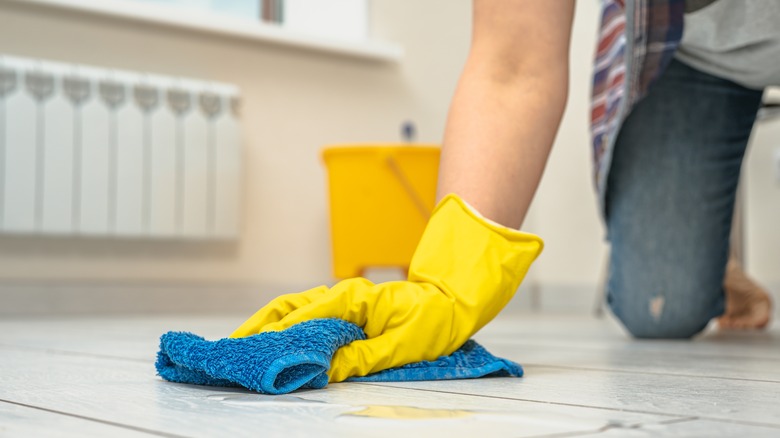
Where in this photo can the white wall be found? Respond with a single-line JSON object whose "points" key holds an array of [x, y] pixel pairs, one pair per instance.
{"points": [[761, 177], [296, 101], [564, 211]]}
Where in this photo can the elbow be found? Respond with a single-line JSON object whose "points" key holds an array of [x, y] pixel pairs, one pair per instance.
{"points": [[544, 77], [547, 79]]}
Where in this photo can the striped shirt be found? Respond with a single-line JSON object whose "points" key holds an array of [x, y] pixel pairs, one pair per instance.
{"points": [[637, 41]]}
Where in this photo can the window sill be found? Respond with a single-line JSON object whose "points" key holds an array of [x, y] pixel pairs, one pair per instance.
{"points": [[226, 26]]}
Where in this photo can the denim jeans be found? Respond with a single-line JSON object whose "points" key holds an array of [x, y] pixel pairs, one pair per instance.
{"points": [[670, 198]]}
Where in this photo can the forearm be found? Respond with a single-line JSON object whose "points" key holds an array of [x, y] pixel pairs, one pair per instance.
{"points": [[506, 111]]}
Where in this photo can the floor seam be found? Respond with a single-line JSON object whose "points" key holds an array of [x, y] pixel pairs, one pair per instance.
{"points": [[527, 400], [651, 373], [746, 423], [97, 420], [599, 349], [73, 353], [526, 364], [606, 408], [611, 427]]}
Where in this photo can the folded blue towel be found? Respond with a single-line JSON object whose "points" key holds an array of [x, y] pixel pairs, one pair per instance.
{"points": [[281, 362]]}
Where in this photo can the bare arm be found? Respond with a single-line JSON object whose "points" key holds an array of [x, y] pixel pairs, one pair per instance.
{"points": [[507, 106]]}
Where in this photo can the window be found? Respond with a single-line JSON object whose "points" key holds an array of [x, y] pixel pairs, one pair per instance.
{"points": [[336, 19], [333, 26]]}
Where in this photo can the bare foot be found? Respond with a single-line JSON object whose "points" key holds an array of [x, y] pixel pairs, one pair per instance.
{"points": [[748, 305]]}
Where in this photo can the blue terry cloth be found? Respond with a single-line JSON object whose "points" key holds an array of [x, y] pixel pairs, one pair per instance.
{"points": [[281, 362]]}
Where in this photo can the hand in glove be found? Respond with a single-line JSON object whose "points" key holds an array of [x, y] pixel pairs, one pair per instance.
{"points": [[464, 271]]}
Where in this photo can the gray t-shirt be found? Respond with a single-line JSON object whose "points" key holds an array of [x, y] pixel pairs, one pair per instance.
{"points": [[738, 40]]}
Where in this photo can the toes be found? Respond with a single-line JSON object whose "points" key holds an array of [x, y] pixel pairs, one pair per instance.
{"points": [[742, 323], [725, 323]]}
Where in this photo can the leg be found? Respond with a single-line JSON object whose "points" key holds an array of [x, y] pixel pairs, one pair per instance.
{"points": [[748, 305], [670, 201]]}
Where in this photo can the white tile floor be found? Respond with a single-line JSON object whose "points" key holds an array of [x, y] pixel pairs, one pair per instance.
{"points": [[94, 377]]}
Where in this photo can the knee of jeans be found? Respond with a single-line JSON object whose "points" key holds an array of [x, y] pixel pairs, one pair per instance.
{"points": [[676, 314], [678, 328]]}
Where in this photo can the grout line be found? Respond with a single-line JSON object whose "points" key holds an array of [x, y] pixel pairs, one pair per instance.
{"points": [[598, 345], [679, 420], [96, 420], [674, 418], [577, 405], [614, 427], [640, 425], [651, 373], [576, 433], [565, 367], [510, 343], [748, 423], [73, 353]]}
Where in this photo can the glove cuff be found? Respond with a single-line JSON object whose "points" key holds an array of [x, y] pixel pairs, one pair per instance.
{"points": [[477, 263]]}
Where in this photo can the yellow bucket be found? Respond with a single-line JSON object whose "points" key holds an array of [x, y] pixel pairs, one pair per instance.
{"points": [[381, 197]]}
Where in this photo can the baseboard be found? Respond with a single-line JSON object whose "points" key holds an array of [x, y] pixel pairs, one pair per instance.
{"points": [[95, 298], [71, 298], [555, 298], [582, 298]]}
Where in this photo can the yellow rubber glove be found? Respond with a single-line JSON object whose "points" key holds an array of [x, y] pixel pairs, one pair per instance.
{"points": [[464, 271]]}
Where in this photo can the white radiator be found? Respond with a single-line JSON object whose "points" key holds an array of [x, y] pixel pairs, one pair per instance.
{"points": [[101, 152]]}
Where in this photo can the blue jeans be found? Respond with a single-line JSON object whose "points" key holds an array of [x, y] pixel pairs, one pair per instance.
{"points": [[670, 201]]}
